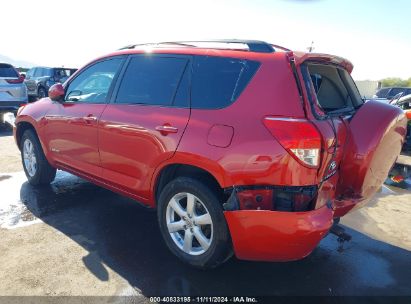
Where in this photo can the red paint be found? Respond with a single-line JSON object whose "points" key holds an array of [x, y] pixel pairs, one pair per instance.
{"points": [[277, 236], [220, 136], [125, 148], [132, 147], [56, 92], [376, 137]]}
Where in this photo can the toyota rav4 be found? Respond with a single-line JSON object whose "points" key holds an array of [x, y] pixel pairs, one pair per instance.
{"points": [[243, 147]]}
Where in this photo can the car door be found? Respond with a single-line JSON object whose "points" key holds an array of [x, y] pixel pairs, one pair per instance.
{"points": [[143, 124], [72, 125]]}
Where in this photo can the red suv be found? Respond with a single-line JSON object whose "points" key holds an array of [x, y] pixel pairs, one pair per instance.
{"points": [[242, 146]]}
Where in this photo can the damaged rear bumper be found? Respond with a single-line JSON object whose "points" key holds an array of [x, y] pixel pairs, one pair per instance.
{"points": [[265, 235]]}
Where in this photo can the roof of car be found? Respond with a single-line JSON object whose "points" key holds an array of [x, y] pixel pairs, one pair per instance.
{"points": [[249, 49], [395, 88], [44, 67]]}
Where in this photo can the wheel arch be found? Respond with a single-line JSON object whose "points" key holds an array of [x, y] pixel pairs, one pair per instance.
{"points": [[21, 127], [172, 171]]}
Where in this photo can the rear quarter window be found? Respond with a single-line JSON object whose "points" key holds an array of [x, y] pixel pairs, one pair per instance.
{"points": [[6, 70], [218, 81]]}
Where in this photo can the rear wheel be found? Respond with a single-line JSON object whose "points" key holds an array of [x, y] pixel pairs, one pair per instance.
{"points": [[192, 223], [35, 164]]}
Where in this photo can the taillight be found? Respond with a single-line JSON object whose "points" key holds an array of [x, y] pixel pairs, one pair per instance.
{"points": [[16, 80], [298, 136]]}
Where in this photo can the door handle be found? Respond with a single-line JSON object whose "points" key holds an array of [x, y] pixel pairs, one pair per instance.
{"points": [[166, 129], [90, 118]]}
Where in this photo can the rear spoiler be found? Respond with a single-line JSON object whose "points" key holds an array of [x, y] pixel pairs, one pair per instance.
{"points": [[325, 58]]}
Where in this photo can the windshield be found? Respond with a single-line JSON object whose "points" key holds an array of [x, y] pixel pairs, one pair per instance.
{"points": [[330, 88], [6, 70], [382, 93]]}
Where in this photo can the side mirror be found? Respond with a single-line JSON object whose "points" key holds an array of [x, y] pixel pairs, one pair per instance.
{"points": [[56, 92]]}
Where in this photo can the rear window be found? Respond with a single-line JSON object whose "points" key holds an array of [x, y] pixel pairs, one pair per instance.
{"points": [[153, 80], [6, 70], [217, 81], [330, 88]]}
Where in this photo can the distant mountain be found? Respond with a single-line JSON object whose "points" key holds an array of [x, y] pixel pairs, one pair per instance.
{"points": [[16, 63]]}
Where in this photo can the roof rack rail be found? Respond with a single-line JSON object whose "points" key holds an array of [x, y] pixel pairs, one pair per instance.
{"points": [[253, 45]]}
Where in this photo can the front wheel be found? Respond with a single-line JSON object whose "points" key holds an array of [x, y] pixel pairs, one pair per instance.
{"points": [[192, 223], [41, 93], [35, 164]]}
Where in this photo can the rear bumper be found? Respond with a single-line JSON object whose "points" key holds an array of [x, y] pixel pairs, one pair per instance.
{"points": [[263, 235]]}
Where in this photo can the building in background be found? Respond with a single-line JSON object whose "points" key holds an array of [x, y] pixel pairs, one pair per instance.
{"points": [[368, 88]]}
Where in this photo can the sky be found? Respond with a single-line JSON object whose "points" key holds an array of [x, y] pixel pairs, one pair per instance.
{"points": [[374, 35]]}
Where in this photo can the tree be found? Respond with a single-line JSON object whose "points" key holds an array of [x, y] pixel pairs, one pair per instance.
{"points": [[396, 82]]}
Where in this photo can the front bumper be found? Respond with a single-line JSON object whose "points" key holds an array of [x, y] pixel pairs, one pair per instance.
{"points": [[264, 235]]}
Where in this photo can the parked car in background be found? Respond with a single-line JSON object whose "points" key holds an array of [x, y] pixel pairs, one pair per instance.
{"points": [[242, 146], [13, 92], [404, 102], [40, 79], [388, 93]]}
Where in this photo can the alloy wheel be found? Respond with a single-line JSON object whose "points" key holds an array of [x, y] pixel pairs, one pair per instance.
{"points": [[29, 157], [189, 223]]}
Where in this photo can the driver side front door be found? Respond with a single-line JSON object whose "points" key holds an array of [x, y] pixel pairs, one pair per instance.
{"points": [[71, 128]]}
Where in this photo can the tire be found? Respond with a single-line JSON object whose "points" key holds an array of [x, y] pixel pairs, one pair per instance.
{"points": [[214, 246], [41, 93], [35, 165]]}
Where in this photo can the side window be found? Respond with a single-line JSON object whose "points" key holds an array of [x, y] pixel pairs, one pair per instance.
{"points": [[93, 84], [394, 92], [30, 73], [38, 72], [153, 80], [48, 72], [218, 81]]}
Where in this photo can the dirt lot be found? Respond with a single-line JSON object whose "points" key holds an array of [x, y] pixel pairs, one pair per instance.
{"points": [[9, 160], [74, 238]]}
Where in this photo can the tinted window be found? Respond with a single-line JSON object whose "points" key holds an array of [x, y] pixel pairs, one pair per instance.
{"points": [[152, 80], [382, 93], [47, 72], [395, 91], [93, 84], [217, 81], [7, 70]]}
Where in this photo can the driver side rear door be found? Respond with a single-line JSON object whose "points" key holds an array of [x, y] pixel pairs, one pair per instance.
{"points": [[71, 127]]}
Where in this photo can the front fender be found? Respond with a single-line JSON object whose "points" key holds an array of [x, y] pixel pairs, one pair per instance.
{"points": [[33, 114]]}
